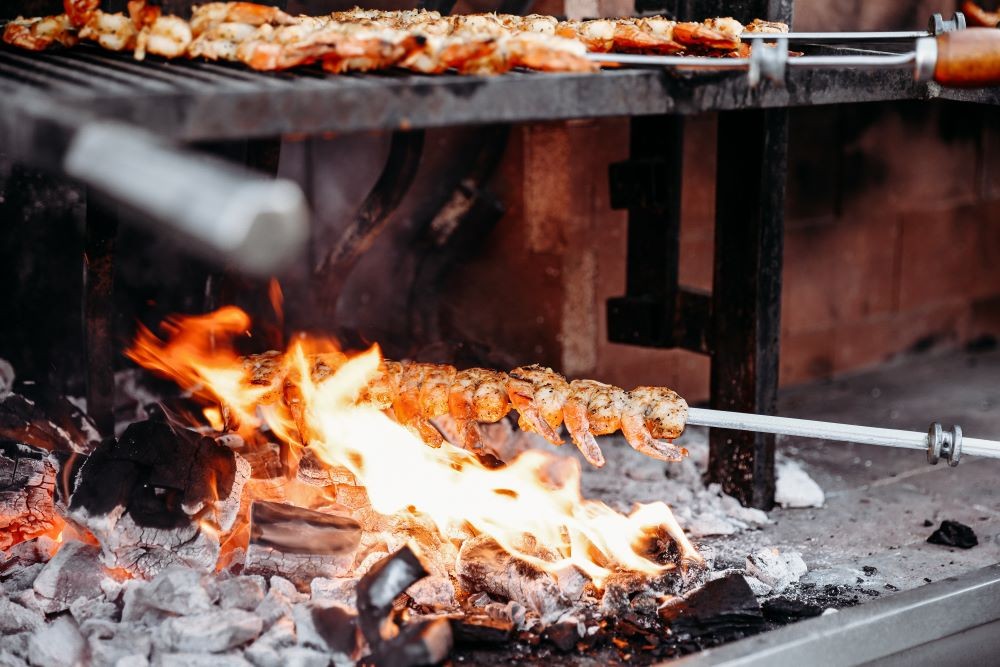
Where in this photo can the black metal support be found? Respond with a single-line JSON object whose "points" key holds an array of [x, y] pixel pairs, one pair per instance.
{"points": [[392, 185], [98, 311], [746, 299], [655, 311]]}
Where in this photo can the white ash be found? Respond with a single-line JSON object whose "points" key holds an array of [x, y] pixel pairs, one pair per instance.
{"points": [[7, 377], [15, 618], [244, 592], [267, 650], [299, 568], [794, 487], [200, 660], [775, 568], [702, 511], [342, 590], [175, 591]]}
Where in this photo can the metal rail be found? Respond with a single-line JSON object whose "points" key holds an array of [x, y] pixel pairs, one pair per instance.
{"points": [[955, 621], [865, 435]]}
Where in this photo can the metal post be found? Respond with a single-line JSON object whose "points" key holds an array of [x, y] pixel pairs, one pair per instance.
{"points": [[746, 296], [98, 312]]}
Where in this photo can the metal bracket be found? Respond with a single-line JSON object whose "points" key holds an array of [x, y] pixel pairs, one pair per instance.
{"points": [[938, 25], [943, 443]]}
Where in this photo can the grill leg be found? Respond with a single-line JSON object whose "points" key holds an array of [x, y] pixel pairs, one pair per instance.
{"points": [[746, 298], [98, 312]]}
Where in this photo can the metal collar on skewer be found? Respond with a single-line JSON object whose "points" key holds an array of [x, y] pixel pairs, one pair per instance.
{"points": [[942, 443], [768, 62]]}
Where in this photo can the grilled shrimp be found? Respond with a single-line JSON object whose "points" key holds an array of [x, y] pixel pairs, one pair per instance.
{"points": [[115, 32], [539, 394], [545, 53], [477, 395], [597, 35], [80, 12], [652, 35], [37, 34], [167, 36], [768, 27], [206, 17], [221, 42], [440, 54], [720, 34], [593, 408], [423, 395], [655, 414]]}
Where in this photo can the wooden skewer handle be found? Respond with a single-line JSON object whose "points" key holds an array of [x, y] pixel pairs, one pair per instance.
{"points": [[968, 58]]}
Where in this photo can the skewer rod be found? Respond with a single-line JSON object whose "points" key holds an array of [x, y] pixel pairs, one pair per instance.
{"points": [[840, 36], [808, 428]]}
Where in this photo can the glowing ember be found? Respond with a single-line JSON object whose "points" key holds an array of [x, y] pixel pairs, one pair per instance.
{"points": [[532, 506]]}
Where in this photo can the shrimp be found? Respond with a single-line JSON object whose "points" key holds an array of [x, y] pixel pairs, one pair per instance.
{"points": [[38, 34], [593, 408], [221, 42], [720, 34], [80, 12], [167, 36], [440, 54], [655, 414], [545, 53], [539, 394], [597, 35], [423, 395], [652, 35], [206, 17], [477, 395], [115, 32]]}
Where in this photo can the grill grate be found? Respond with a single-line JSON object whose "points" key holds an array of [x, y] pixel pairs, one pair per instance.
{"points": [[194, 100]]}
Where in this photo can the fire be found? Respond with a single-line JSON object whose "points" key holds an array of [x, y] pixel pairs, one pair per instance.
{"points": [[532, 506]]}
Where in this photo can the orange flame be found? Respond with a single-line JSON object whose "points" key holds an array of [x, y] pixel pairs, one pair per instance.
{"points": [[536, 495]]}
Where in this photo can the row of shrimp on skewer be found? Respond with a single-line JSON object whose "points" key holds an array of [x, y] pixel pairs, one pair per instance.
{"points": [[415, 393], [266, 38]]}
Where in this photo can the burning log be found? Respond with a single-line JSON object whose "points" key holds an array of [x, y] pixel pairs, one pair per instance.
{"points": [[27, 489], [300, 544], [159, 496], [484, 565]]}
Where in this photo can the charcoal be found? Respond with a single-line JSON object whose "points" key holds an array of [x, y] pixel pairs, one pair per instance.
{"points": [[208, 632], [300, 544], [15, 619], [266, 650], [9, 658], [50, 423], [147, 496], [564, 634], [286, 588], [200, 660], [111, 642], [342, 590], [17, 577], [242, 592], [434, 593], [300, 656], [27, 492], [723, 608], [74, 572], [83, 610], [314, 472], [483, 565], [424, 642], [381, 585], [481, 629], [174, 591], [276, 605], [954, 534], [327, 627], [788, 610], [58, 644]]}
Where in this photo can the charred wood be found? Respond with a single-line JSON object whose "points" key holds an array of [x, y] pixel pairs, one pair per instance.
{"points": [[300, 544], [27, 491], [159, 496]]}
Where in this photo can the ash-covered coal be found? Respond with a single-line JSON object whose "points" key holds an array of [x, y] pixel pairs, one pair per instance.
{"points": [[159, 496], [954, 534], [27, 494]]}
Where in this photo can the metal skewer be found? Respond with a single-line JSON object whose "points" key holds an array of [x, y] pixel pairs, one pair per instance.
{"points": [[938, 442], [936, 26]]}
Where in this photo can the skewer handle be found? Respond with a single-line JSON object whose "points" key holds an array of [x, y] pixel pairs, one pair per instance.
{"points": [[968, 58]]}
